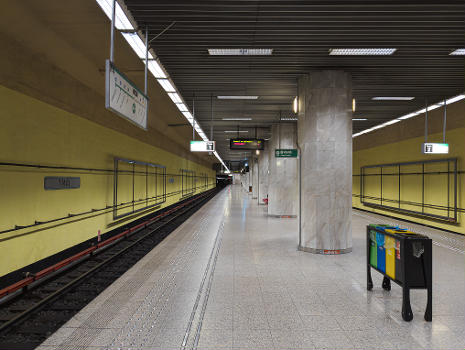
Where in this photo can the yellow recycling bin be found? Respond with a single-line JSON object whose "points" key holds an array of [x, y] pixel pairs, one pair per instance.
{"points": [[390, 247]]}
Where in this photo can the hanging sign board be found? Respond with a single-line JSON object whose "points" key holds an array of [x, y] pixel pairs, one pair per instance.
{"points": [[435, 148], [246, 144], [124, 98], [202, 146], [285, 153]]}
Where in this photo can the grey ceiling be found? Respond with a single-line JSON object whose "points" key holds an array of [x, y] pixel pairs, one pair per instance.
{"points": [[301, 33]]}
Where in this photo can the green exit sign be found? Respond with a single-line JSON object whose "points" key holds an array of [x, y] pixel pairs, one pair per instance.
{"points": [[285, 153]]}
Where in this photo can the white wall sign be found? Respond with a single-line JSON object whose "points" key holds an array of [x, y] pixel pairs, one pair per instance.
{"points": [[202, 146], [435, 148], [124, 98]]}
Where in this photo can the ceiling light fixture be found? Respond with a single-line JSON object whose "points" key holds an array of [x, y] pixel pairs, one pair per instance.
{"points": [[359, 119], [182, 107], [392, 98], [458, 52], [362, 52], [288, 119], [235, 131], [239, 97], [240, 52], [174, 97], [157, 71], [166, 85], [295, 104], [121, 20], [354, 105], [237, 118]]}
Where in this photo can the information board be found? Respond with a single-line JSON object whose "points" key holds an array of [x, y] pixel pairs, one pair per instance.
{"points": [[124, 98], [202, 146], [285, 153], [435, 148], [246, 144]]}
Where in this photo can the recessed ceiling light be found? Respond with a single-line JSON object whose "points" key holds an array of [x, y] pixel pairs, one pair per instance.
{"points": [[359, 119], [288, 119], [458, 52], [232, 131], [392, 98], [240, 52], [238, 97], [237, 118], [362, 52]]}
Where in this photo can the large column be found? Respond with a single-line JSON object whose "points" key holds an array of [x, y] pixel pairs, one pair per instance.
{"points": [[282, 190], [254, 162], [325, 139], [263, 170]]}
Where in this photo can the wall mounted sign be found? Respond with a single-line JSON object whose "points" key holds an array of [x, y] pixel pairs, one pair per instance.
{"points": [[246, 144], [285, 153], [124, 98], [61, 182], [435, 148], [202, 146]]}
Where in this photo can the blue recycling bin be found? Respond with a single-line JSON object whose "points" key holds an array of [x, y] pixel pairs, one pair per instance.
{"points": [[381, 252]]}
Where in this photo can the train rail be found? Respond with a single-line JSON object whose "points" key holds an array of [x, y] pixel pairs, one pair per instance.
{"points": [[30, 317]]}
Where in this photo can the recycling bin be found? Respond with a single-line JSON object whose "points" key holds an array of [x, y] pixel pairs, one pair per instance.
{"points": [[403, 257], [381, 253], [390, 249]]}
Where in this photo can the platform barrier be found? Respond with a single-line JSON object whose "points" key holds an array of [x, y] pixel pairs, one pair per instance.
{"points": [[403, 257]]}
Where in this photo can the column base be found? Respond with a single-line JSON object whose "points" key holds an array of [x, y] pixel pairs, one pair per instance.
{"points": [[325, 251]]}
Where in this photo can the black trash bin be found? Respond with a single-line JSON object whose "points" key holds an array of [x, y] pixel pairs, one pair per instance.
{"points": [[411, 267]]}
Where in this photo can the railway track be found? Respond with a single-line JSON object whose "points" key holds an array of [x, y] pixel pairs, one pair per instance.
{"points": [[28, 319]]}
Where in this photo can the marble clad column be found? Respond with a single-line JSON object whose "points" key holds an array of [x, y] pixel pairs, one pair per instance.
{"points": [[263, 163], [325, 138], [283, 186], [254, 178]]}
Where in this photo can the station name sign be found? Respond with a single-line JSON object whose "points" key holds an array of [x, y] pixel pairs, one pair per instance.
{"points": [[247, 144], [435, 148], [202, 146]]}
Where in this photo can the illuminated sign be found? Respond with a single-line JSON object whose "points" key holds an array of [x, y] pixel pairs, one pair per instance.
{"points": [[285, 153], [435, 148], [247, 144], [202, 146]]}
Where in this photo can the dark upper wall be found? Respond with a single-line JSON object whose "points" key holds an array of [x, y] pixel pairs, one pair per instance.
{"points": [[58, 54], [413, 127]]}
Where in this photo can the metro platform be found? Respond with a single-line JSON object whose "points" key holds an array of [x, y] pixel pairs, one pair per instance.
{"points": [[231, 277]]}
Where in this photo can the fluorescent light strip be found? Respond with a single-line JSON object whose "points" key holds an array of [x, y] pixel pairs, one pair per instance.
{"points": [[121, 20], [288, 119], [362, 52], [137, 44], [392, 98], [241, 97], [166, 85], [182, 107], [240, 52], [232, 131], [458, 52], [174, 97], [411, 115], [237, 118], [155, 68], [359, 119]]}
